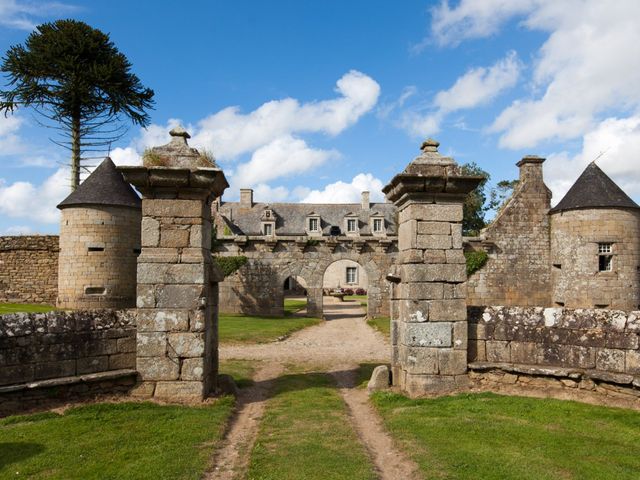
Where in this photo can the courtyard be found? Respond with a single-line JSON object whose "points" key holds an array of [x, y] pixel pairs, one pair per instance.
{"points": [[303, 411]]}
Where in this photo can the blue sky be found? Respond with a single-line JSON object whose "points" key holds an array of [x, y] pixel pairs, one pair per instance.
{"points": [[316, 101]]}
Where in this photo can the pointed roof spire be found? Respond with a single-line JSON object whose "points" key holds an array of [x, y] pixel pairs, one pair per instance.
{"points": [[594, 189], [105, 186]]}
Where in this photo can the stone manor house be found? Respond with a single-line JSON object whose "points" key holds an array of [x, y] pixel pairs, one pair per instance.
{"points": [[555, 306]]}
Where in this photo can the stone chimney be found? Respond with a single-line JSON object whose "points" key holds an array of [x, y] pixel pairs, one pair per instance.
{"points": [[530, 168], [365, 201], [246, 197]]}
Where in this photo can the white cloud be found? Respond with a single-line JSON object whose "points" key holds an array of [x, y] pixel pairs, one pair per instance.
{"points": [[35, 202], [10, 142], [342, 192], [586, 68], [18, 230], [267, 194], [230, 133], [478, 86], [20, 14], [284, 156], [615, 143], [125, 156]]}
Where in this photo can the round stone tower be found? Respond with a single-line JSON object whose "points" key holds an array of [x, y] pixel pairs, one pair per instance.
{"points": [[99, 242], [595, 245]]}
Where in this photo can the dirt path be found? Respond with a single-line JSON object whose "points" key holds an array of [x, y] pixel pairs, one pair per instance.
{"points": [[232, 458], [391, 463], [335, 346]]}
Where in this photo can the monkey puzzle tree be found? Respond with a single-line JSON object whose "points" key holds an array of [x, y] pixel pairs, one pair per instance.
{"points": [[73, 74]]}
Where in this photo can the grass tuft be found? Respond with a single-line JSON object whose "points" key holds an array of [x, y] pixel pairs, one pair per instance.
{"points": [[24, 308]]}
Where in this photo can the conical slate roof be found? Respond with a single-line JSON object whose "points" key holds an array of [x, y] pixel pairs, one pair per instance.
{"points": [[105, 186], [594, 189]]}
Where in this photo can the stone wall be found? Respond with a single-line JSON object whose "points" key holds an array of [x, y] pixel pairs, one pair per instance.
{"points": [[41, 346], [602, 343], [258, 286], [29, 269], [575, 236], [518, 269], [99, 246]]}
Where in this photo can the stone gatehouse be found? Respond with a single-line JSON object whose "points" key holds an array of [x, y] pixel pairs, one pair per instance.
{"points": [[315, 246]]}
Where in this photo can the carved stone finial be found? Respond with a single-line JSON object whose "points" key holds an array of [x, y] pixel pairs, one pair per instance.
{"points": [[430, 145], [179, 132]]}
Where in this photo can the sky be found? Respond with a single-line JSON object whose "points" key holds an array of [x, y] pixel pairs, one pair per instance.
{"points": [[316, 101]]}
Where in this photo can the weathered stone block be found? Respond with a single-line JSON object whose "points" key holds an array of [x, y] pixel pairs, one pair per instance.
{"points": [[436, 242], [498, 351], [419, 360], [632, 362], [427, 334], [433, 256], [122, 360], [413, 310], [447, 310], [523, 352], [180, 390], [379, 379], [455, 256], [432, 212], [416, 385], [192, 369], [180, 296], [145, 296], [92, 364], [181, 273], [150, 232], [460, 335], [452, 362], [434, 228], [172, 208], [175, 238], [477, 351], [433, 273], [63, 368], [158, 368], [163, 320], [126, 345], [186, 344], [610, 360], [151, 344], [196, 236]]}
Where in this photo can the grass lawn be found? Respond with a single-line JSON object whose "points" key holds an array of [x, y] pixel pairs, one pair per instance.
{"points": [[490, 436], [382, 324], [357, 298], [305, 434], [242, 371], [24, 307], [293, 305], [113, 441], [234, 328]]}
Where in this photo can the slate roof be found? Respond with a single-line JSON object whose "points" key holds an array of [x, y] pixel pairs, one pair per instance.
{"points": [[594, 189], [291, 218], [105, 186]]}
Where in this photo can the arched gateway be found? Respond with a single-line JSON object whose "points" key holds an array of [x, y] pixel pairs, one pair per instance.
{"points": [[284, 240]]}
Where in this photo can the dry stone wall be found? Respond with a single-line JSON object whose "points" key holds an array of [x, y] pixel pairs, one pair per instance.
{"points": [[603, 342], [29, 269], [41, 346]]}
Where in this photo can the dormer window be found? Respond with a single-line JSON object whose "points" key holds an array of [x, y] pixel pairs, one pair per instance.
{"points": [[351, 226], [313, 225], [376, 224], [268, 222]]}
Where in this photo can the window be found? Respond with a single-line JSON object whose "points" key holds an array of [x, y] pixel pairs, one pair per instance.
{"points": [[268, 229], [605, 259], [352, 274], [313, 224], [351, 225], [377, 225]]}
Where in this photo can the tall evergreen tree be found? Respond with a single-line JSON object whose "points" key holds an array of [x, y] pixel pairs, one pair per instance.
{"points": [[73, 74]]}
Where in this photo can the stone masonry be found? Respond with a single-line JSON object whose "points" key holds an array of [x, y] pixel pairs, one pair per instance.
{"points": [[29, 269], [429, 311], [177, 355]]}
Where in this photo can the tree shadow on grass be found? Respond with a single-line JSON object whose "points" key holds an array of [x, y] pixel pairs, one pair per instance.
{"points": [[15, 452]]}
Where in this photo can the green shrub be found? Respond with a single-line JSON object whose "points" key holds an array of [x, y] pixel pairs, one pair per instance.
{"points": [[228, 265], [475, 261]]}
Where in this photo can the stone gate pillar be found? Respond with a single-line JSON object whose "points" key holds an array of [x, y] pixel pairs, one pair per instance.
{"points": [[429, 311], [177, 293]]}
